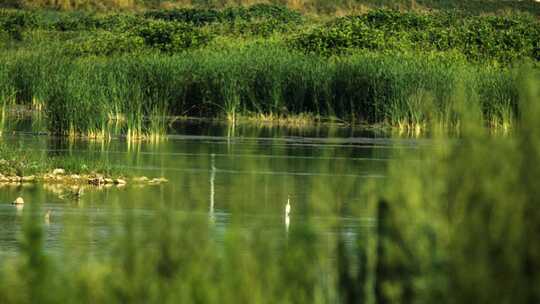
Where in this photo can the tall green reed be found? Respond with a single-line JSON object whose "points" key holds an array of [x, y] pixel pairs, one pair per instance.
{"points": [[84, 95]]}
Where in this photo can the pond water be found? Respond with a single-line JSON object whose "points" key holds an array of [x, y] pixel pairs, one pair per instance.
{"points": [[241, 176]]}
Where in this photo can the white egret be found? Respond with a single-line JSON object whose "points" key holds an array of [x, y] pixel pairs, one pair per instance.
{"points": [[288, 207], [18, 201]]}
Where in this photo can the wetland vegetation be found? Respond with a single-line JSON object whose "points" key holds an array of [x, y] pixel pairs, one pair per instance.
{"points": [[448, 215], [108, 74]]}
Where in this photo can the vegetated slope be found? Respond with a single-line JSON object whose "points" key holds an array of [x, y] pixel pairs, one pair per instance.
{"points": [[500, 38], [384, 66]]}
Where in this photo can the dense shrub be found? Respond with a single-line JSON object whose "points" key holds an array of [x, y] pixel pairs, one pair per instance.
{"points": [[85, 21], [504, 39], [118, 22], [4, 37], [13, 22], [277, 12], [75, 21], [84, 33], [67, 21], [262, 27], [171, 36], [194, 15], [105, 43], [482, 6], [17, 18]]}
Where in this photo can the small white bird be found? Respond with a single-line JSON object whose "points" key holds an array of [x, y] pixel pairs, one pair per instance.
{"points": [[287, 212], [18, 201], [288, 207]]}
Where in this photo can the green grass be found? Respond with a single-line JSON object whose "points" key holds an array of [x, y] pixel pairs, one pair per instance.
{"points": [[95, 96]]}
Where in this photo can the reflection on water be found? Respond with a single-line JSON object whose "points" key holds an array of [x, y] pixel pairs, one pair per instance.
{"points": [[243, 180], [212, 188]]}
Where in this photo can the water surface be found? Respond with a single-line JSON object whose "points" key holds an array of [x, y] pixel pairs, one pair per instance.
{"points": [[240, 177]]}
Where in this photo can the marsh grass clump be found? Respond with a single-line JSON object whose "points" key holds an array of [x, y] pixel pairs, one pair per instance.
{"points": [[135, 93], [16, 162]]}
